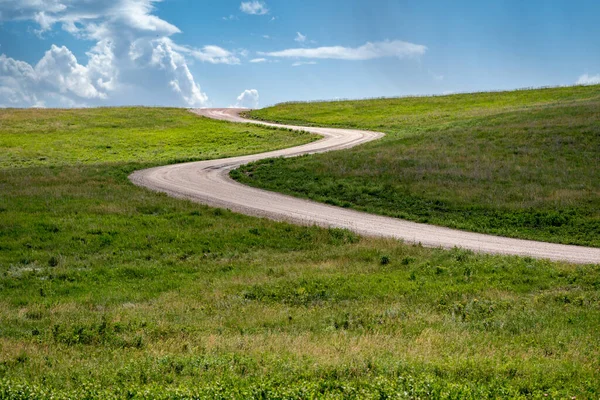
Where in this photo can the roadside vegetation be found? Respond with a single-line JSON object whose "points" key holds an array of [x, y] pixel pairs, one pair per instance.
{"points": [[108, 290], [522, 164]]}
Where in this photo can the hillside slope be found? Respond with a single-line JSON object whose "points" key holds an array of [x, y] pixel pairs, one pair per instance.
{"points": [[521, 164], [110, 291]]}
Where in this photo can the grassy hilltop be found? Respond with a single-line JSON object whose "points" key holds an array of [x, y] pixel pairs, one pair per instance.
{"points": [[108, 290], [522, 164]]}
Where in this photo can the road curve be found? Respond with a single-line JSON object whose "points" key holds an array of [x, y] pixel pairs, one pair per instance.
{"points": [[208, 182]]}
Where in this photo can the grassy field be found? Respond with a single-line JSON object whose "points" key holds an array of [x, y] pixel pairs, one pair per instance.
{"points": [[121, 135], [522, 164], [111, 291]]}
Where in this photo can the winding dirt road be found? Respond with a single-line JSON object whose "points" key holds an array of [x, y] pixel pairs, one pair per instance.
{"points": [[208, 182]]}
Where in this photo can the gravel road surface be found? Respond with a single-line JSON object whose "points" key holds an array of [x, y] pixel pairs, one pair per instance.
{"points": [[208, 182]]}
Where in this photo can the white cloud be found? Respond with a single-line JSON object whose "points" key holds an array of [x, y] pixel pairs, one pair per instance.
{"points": [[102, 65], [231, 17], [59, 68], [136, 14], [178, 74], [300, 63], [300, 38], [586, 79], [258, 60], [254, 7], [248, 99], [368, 51], [18, 80], [57, 79], [133, 60], [210, 54], [44, 21]]}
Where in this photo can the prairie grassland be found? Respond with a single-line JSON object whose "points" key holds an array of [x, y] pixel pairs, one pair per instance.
{"points": [[128, 134], [111, 291], [521, 164]]}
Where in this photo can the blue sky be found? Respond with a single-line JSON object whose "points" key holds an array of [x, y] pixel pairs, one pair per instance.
{"points": [[200, 53]]}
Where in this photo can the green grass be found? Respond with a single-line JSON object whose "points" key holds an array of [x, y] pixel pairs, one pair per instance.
{"points": [[120, 135], [522, 164], [108, 290]]}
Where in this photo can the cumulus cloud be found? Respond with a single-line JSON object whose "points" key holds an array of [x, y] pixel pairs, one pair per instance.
{"points": [[368, 51], [59, 68], [258, 60], [248, 99], [56, 78], [18, 80], [586, 79], [177, 73], [133, 60], [254, 7]]}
